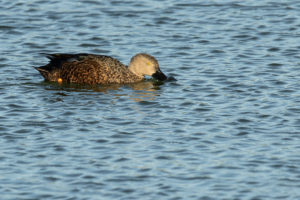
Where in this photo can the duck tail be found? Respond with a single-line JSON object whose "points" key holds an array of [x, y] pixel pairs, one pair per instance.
{"points": [[44, 72]]}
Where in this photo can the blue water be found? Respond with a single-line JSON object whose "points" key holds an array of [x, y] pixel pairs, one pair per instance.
{"points": [[228, 128]]}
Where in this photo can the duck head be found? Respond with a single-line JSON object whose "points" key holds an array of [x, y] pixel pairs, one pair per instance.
{"points": [[144, 64]]}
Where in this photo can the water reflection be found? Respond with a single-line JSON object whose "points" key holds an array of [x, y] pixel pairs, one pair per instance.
{"points": [[141, 91], [144, 91]]}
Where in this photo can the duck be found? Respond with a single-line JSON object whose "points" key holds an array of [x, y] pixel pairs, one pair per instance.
{"points": [[93, 69]]}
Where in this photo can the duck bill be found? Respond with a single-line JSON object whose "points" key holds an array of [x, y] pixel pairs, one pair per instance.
{"points": [[159, 76]]}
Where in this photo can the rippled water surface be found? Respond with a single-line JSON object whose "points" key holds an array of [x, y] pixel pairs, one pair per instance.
{"points": [[228, 128]]}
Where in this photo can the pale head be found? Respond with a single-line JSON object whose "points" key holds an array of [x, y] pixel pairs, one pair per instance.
{"points": [[144, 64]]}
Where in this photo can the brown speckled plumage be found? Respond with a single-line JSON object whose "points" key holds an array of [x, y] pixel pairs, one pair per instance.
{"points": [[99, 69]]}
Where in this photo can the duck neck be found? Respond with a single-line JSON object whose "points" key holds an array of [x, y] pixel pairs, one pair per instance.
{"points": [[134, 69]]}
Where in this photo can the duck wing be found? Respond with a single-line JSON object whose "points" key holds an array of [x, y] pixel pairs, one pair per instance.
{"points": [[56, 60]]}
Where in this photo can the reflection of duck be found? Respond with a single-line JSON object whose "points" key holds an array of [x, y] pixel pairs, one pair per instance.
{"points": [[144, 91], [141, 91], [99, 69], [144, 86]]}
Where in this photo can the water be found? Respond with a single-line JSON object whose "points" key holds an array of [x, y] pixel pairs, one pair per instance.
{"points": [[228, 128]]}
